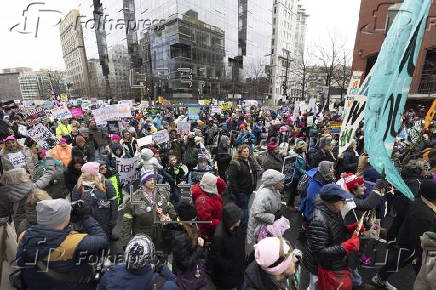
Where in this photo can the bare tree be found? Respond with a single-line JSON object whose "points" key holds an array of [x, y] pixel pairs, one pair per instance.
{"points": [[257, 83], [301, 70], [343, 75]]}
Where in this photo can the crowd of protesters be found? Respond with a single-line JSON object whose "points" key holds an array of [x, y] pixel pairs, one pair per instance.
{"points": [[251, 173]]}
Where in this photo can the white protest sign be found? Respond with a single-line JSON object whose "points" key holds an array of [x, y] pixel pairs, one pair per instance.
{"points": [[354, 112], [126, 168], [42, 136], [309, 121], [183, 127], [161, 137], [18, 160], [60, 112], [147, 140], [217, 110], [22, 130], [112, 112]]}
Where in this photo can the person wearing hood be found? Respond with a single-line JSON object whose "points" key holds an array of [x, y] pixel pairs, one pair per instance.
{"points": [[226, 261], [406, 250], [272, 158], [63, 128], [146, 213], [222, 155], [426, 279], [99, 138], [328, 244], [73, 172], [318, 177], [198, 171], [129, 143], [347, 161], [149, 162], [273, 266], [14, 155], [139, 269], [62, 152], [99, 195], [209, 204], [266, 206], [116, 151], [298, 156], [52, 249], [16, 187]]}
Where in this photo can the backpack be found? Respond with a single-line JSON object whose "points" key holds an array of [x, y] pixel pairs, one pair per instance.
{"points": [[302, 185]]}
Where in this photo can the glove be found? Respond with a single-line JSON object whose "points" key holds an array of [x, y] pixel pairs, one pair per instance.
{"points": [[79, 211], [352, 244], [278, 215], [351, 228]]}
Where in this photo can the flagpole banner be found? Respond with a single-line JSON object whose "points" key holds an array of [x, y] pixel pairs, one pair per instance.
{"points": [[388, 88], [112, 112]]}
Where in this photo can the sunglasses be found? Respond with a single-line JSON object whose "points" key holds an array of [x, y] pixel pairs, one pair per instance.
{"points": [[282, 255]]}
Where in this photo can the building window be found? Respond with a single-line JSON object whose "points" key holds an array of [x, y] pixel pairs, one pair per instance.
{"points": [[274, 21], [275, 10]]}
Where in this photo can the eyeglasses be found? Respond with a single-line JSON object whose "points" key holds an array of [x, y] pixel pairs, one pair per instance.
{"points": [[282, 255]]}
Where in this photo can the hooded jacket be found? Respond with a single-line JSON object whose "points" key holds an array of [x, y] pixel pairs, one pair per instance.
{"points": [[64, 154], [209, 208], [226, 261], [148, 161], [38, 242], [313, 187]]}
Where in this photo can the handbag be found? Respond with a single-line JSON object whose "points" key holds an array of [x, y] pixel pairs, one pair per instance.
{"points": [[193, 279]]}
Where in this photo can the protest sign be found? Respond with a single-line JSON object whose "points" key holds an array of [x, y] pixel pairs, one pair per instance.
{"points": [[309, 121], [112, 112], [430, 115], [113, 127], [354, 112], [147, 140], [17, 159], [289, 167], [226, 106], [161, 137], [194, 113], [60, 112], [122, 125], [215, 110], [76, 112], [42, 136], [34, 115], [22, 130], [126, 168], [183, 127]]}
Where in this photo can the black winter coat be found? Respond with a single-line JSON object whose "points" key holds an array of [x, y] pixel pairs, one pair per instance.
{"points": [[242, 176], [324, 236], [257, 279], [319, 156], [348, 163], [227, 256], [272, 161]]}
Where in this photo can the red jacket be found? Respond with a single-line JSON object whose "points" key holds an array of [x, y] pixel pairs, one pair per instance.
{"points": [[209, 208]]}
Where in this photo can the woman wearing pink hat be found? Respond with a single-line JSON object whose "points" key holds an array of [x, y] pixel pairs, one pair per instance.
{"points": [[274, 264]]}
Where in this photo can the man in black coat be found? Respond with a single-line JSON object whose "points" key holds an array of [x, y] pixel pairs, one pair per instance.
{"points": [[227, 256], [324, 152], [420, 218]]}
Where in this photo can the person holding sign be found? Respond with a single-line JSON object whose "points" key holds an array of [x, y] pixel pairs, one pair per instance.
{"points": [[14, 155]]}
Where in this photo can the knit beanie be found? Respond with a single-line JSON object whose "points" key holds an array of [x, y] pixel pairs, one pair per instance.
{"points": [[271, 177], [267, 254], [52, 213], [92, 168], [208, 183]]}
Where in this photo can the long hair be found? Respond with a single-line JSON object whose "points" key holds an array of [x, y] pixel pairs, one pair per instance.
{"points": [[98, 181], [14, 176], [37, 195], [237, 155]]}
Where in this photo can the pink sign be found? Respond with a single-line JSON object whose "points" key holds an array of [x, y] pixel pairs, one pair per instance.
{"points": [[76, 112]]}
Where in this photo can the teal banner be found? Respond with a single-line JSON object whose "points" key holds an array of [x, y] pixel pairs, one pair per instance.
{"points": [[389, 86]]}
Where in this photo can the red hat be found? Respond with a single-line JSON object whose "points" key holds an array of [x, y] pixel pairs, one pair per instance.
{"points": [[154, 149], [242, 126], [272, 145], [351, 181]]}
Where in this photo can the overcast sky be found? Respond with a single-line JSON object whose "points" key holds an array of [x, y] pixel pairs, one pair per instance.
{"points": [[332, 17]]}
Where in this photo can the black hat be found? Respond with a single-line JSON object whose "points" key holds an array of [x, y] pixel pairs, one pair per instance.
{"points": [[186, 211]]}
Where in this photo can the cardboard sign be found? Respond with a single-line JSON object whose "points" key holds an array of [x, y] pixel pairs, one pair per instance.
{"points": [[161, 137], [126, 168], [215, 110], [42, 136], [112, 112], [183, 127], [194, 113], [18, 160], [76, 112], [147, 140], [60, 112], [34, 115]]}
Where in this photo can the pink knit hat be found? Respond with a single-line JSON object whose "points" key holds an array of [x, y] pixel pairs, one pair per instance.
{"points": [[92, 168], [9, 138], [267, 254], [62, 140], [116, 137]]}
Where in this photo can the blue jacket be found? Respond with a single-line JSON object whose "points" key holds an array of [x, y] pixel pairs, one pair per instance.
{"points": [[241, 137], [118, 277], [38, 242], [313, 188]]}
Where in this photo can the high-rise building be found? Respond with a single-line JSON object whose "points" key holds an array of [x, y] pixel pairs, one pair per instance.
{"points": [[375, 20], [288, 41], [74, 53], [9, 84], [41, 84]]}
